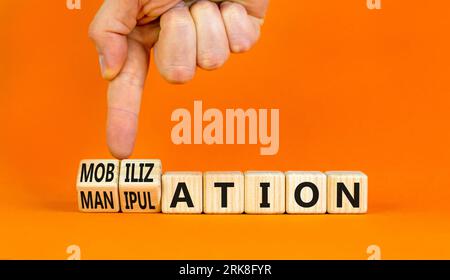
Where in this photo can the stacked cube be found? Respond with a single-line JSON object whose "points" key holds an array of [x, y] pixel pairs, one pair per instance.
{"points": [[140, 186]]}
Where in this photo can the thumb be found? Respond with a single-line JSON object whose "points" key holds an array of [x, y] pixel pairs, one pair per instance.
{"points": [[109, 29]]}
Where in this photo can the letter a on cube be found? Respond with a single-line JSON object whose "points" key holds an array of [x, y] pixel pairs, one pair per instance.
{"points": [[182, 192], [98, 186]]}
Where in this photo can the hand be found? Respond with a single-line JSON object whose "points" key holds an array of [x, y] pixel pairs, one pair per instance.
{"points": [[125, 31]]}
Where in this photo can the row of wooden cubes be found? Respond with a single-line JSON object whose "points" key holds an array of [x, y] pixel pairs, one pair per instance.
{"points": [[140, 186]]}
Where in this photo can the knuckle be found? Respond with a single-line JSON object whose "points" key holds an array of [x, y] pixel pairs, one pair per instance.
{"points": [[131, 79], [178, 74], [93, 32], [202, 6], [211, 61], [240, 44], [175, 19], [232, 9]]}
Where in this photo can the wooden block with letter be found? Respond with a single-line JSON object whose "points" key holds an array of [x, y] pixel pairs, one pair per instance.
{"points": [[347, 192], [182, 192], [265, 192], [223, 192], [140, 186], [98, 186], [306, 192]]}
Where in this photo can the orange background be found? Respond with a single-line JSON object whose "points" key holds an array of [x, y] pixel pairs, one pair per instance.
{"points": [[357, 90]]}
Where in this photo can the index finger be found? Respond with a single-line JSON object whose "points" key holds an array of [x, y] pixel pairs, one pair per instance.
{"points": [[124, 100]]}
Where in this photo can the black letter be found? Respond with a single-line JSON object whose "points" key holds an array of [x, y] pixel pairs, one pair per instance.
{"points": [[110, 172], [86, 175], [133, 179], [98, 200], [224, 187], [86, 202], [298, 197], [150, 201], [102, 167], [354, 201], [186, 198], [127, 177], [142, 205], [108, 199], [265, 195], [147, 176], [127, 206], [133, 199]]}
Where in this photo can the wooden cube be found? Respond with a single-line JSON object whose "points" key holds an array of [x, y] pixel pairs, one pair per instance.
{"points": [[223, 192], [140, 186], [347, 192], [182, 192], [306, 192], [265, 192], [98, 186]]}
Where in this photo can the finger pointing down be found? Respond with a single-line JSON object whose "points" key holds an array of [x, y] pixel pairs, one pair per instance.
{"points": [[124, 99]]}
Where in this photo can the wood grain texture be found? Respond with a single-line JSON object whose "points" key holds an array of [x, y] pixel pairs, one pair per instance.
{"points": [[212, 193], [97, 186], [265, 192], [304, 198], [190, 187], [140, 185], [351, 181]]}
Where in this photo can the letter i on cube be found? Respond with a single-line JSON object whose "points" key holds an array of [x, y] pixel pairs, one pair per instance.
{"points": [[264, 192], [140, 186]]}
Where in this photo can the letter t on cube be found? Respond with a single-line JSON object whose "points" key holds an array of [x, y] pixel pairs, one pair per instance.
{"points": [[223, 192]]}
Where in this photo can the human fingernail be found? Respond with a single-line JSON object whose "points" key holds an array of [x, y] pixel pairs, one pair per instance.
{"points": [[106, 72]]}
